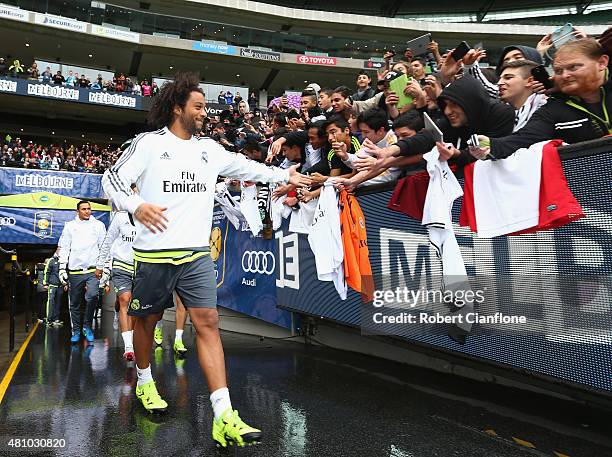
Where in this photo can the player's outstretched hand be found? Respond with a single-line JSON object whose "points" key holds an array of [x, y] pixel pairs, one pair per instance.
{"points": [[298, 179], [151, 216], [367, 163], [344, 184]]}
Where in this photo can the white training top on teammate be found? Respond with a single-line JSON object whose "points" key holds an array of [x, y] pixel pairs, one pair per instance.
{"points": [[80, 243], [119, 241]]}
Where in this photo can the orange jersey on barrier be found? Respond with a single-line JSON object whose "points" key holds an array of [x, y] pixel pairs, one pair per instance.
{"points": [[357, 269]]}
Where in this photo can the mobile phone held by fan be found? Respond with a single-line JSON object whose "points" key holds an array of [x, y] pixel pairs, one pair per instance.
{"points": [[562, 35], [460, 51], [540, 74], [474, 143]]}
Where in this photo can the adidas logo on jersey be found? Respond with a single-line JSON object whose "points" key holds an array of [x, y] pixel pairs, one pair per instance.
{"points": [[165, 156]]}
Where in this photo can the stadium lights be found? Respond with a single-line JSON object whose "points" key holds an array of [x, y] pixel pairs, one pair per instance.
{"points": [[27, 45], [90, 55], [508, 15], [530, 13], [598, 7], [170, 67]]}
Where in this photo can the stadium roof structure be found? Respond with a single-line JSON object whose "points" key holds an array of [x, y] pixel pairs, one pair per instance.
{"points": [[464, 11]]}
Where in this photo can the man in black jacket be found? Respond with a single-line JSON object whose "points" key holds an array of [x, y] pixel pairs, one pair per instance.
{"points": [[467, 110], [52, 284], [581, 111], [364, 90]]}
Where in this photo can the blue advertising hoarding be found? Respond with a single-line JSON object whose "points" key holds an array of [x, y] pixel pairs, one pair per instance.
{"points": [[71, 184], [245, 269], [39, 217], [215, 48], [38, 226], [559, 280]]}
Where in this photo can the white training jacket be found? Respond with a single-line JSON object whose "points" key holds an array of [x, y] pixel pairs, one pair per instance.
{"points": [[228, 204], [80, 243], [119, 241], [249, 208], [442, 191], [181, 176], [325, 239]]}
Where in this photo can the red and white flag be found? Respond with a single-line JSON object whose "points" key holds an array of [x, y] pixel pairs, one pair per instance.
{"points": [[524, 193]]}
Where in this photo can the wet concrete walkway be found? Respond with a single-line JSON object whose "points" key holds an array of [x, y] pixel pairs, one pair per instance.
{"points": [[309, 401], [21, 334]]}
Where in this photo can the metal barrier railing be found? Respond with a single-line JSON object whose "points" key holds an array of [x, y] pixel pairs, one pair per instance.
{"points": [[16, 269]]}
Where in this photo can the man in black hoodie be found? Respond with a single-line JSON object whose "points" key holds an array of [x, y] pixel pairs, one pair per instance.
{"points": [[467, 110]]}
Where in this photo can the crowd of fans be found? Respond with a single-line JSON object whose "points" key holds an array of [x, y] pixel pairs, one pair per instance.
{"points": [[374, 132], [382, 117], [86, 158], [119, 83]]}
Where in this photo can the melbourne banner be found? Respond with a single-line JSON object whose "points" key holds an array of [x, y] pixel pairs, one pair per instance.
{"points": [[244, 267], [77, 185], [71, 94], [546, 295]]}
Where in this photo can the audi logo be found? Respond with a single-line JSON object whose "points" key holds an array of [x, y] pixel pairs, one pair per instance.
{"points": [[7, 221], [258, 262]]}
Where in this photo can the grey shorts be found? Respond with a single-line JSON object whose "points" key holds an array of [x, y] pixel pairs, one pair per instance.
{"points": [[122, 281], [154, 283]]}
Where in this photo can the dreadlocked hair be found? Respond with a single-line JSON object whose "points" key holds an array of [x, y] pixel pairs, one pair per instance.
{"points": [[173, 93]]}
